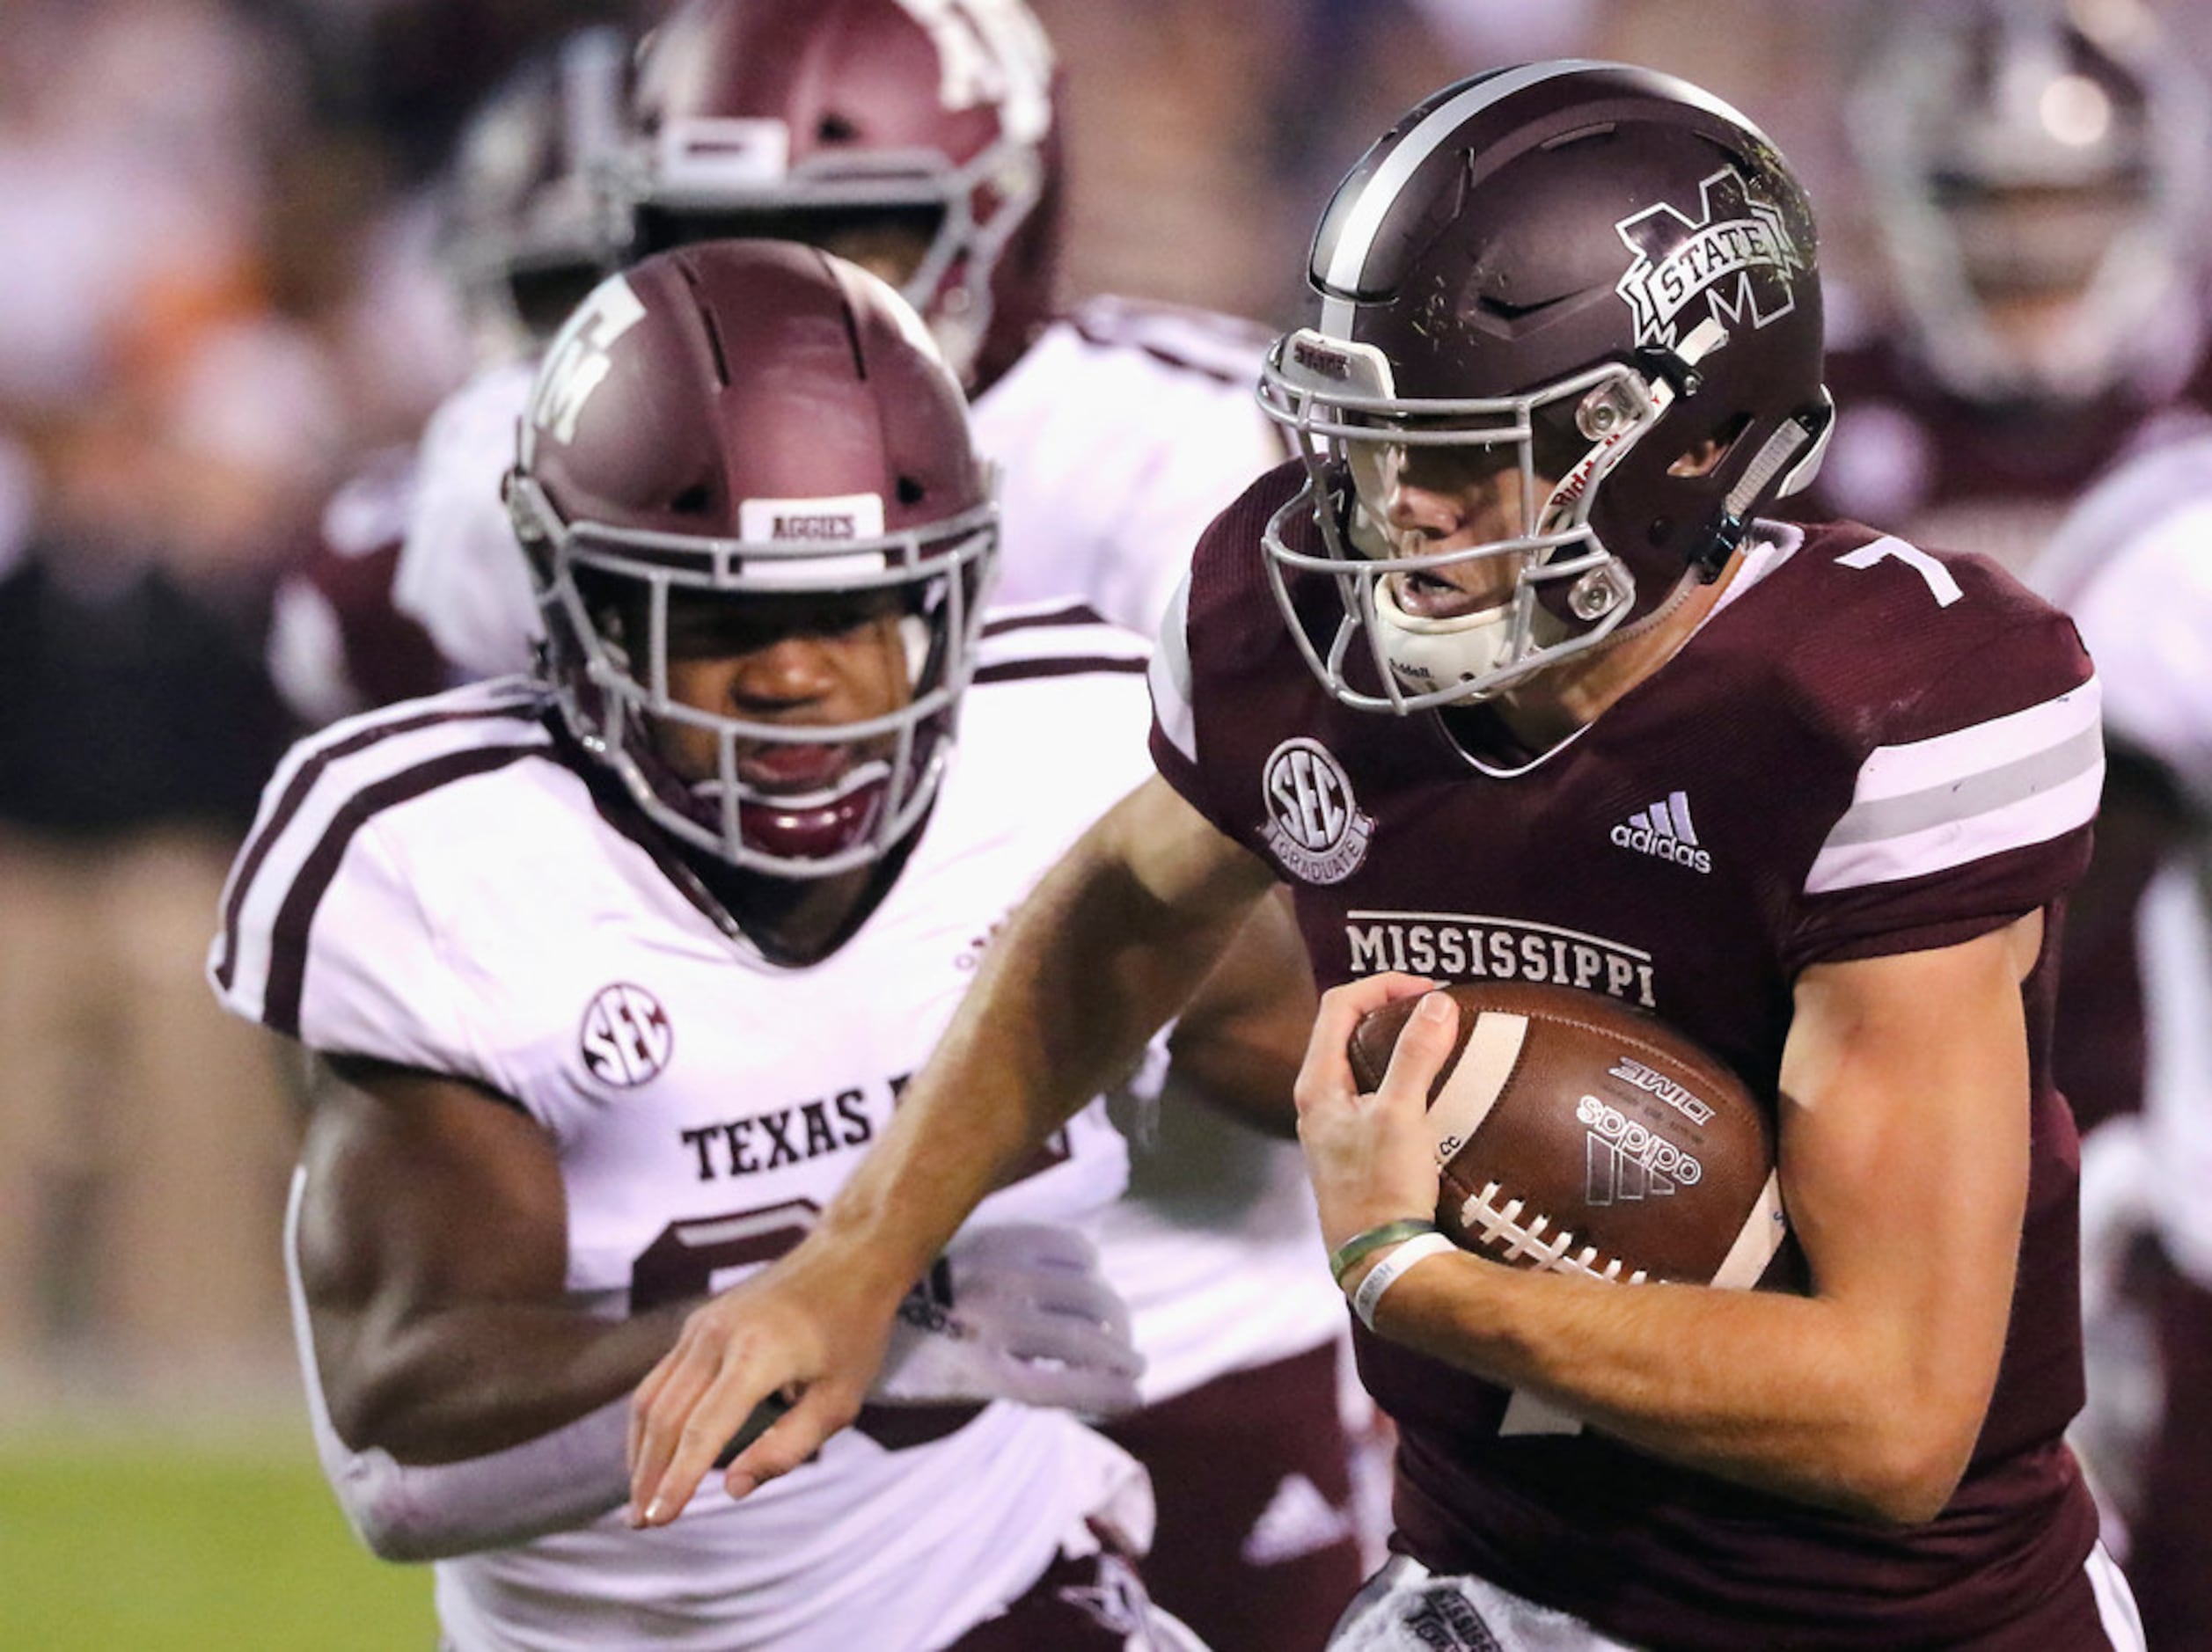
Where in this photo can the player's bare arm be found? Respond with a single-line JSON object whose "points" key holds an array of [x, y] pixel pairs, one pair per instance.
{"points": [[433, 1252], [1111, 943], [1239, 1042], [1904, 1132]]}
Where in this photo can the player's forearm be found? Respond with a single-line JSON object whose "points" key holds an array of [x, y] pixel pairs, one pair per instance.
{"points": [[1796, 1395], [1087, 970], [449, 1384], [555, 1482]]}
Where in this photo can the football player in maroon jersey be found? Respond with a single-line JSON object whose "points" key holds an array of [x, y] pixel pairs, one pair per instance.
{"points": [[1512, 676]]}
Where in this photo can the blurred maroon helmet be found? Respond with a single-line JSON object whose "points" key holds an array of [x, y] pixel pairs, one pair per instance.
{"points": [[759, 423], [836, 122]]}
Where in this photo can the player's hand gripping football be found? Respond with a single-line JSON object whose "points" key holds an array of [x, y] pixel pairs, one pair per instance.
{"points": [[1372, 1156], [1014, 1312]]}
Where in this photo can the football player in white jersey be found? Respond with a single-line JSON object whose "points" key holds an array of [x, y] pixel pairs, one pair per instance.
{"points": [[612, 974], [919, 139]]}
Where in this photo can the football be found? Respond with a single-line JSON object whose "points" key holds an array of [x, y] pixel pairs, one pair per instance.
{"points": [[1576, 1134]]}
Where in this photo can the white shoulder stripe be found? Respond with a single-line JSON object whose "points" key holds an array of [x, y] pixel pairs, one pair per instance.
{"points": [[321, 779], [1930, 805], [1170, 675]]}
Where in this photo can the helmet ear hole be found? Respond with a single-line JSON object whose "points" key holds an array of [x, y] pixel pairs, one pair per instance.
{"points": [[1704, 458], [910, 491]]}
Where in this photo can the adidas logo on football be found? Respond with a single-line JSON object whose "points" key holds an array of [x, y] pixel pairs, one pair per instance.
{"points": [[1663, 829]]}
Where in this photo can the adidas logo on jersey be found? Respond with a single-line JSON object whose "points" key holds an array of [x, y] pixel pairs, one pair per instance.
{"points": [[1663, 829]]}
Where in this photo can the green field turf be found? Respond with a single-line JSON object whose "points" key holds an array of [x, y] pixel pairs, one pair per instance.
{"points": [[107, 1541]]}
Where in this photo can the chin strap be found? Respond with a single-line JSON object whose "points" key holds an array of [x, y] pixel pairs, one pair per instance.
{"points": [[1797, 443]]}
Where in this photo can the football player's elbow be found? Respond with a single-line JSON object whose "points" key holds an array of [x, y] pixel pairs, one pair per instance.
{"points": [[382, 1504], [361, 1411], [389, 1535], [1910, 1464]]}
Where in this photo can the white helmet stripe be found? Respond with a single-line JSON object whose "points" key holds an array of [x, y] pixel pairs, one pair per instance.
{"points": [[1348, 260]]}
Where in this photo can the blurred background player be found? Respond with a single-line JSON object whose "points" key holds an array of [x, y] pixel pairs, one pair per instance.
{"points": [[2033, 175], [612, 973], [527, 227], [2133, 564], [920, 142]]}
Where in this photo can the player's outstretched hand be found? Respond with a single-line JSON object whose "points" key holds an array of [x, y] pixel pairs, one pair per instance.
{"points": [[794, 1348], [1372, 1157], [1015, 1311]]}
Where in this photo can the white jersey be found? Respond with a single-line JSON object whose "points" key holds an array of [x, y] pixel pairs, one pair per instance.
{"points": [[1120, 435], [436, 885], [2134, 566]]}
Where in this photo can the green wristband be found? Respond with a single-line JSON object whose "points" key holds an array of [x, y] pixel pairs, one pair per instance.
{"points": [[1347, 1255]]}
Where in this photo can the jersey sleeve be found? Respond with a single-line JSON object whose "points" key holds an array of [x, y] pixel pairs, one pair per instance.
{"points": [[378, 981], [461, 575], [359, 972], [325, 937], [1971, 808]]}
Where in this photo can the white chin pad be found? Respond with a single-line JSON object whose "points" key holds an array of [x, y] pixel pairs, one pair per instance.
{"points": [[1435, 653]]}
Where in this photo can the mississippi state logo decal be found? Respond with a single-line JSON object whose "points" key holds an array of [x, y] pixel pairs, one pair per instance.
{"points": [[626, 1038], [1313, 827], [1737, 258]]}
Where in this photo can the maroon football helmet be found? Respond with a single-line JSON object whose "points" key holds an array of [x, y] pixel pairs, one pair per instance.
{"points": [[757, 422], [1598, 273], [530, 220], [804, 120], [2037, 172]]}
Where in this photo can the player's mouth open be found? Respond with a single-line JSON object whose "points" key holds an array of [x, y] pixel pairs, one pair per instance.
{"points": [[1434, 596], [780, 768]]}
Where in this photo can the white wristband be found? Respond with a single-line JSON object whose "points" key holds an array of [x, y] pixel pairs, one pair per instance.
{"points": [[1385, 1273]]}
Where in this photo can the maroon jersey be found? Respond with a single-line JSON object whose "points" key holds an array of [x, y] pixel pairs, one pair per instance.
{"points": [[1920, 460], [338, 645], [1866, 749]]}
